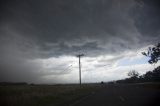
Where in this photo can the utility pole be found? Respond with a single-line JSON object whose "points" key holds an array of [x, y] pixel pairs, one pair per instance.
{"points": [[79, 56]]}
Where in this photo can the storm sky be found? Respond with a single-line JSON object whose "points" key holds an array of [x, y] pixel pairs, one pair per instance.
{"points": [[39, 39]]}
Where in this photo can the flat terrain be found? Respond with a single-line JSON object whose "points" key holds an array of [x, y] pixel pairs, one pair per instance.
{"points": [[124, 95], [86, 95]]}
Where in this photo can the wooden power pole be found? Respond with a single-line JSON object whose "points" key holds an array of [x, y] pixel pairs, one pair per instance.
{"points": [[79, 56]]}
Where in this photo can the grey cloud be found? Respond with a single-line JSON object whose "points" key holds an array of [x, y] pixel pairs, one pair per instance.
{"points": [[111, 60], [146, 17], [60, 21], [34, 29]]}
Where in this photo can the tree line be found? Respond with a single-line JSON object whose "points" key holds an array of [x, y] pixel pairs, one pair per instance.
{"points": [[151, 76]]}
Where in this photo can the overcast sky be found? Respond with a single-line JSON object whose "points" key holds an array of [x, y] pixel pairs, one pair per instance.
{"points": [[39, 39]]}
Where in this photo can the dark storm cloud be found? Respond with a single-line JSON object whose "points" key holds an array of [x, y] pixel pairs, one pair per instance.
{"points": [[146, 16], [33, 29], [69, 22]]}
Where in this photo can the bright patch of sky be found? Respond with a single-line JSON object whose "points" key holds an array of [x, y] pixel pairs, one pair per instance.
{"points": [[64, 69], [128, 61]]}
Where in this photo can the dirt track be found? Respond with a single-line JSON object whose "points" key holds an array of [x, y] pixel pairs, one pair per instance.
{"points": [[123, 95]]}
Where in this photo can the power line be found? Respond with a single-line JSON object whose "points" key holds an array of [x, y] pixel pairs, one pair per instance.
{"points": [[66, 69]]}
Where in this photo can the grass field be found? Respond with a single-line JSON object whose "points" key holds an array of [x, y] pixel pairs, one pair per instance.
{"points": [[43, 95], [62, 95]]}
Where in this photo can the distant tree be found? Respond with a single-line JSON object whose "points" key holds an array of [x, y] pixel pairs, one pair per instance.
{"points": [[152, 76], [153, 53], [133, 74], [148, 76]]}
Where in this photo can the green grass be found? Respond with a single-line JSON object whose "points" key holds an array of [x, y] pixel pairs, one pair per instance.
{"points": [[43, 95]]}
